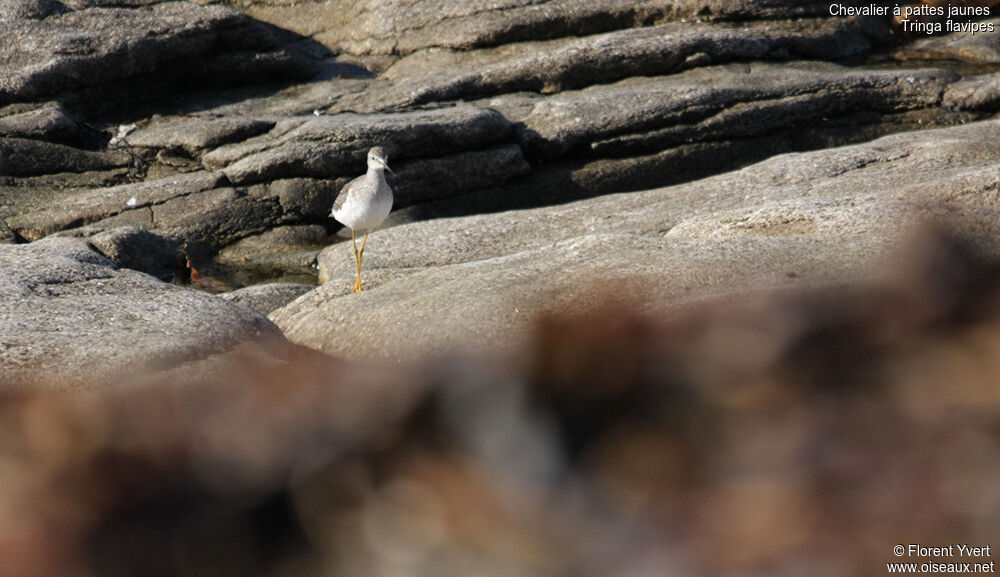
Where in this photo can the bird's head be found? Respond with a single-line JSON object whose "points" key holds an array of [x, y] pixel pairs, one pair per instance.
{"points": [[377, 158]]}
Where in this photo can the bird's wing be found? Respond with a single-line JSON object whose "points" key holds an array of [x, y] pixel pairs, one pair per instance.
{"points": [[344, 192]]}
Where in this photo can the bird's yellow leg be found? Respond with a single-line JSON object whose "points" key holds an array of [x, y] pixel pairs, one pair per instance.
{"points": [[363, 243], [361, 258], [357, 261]]}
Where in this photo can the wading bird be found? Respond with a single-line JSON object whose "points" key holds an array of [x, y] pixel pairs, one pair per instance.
{"points": [[364, 203]]}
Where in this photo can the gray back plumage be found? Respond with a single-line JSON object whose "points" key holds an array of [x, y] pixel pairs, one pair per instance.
{"points": [[356, 183]]}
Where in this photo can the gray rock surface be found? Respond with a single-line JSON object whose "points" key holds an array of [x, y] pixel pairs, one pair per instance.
{"points": [[97, 54], [954, 165], [307, 159], [138, 249], [92, 205], [224, 168], [197, 135], [330, 146], [982, 47], [267, 297], [30, 9], [373, 26], [566, 63], [159, 130], [974, 93], [423, 180], [24, 157], [68, 314], [818, 217], [490, 303], [286, 172], [713, 104], [49, 122]]}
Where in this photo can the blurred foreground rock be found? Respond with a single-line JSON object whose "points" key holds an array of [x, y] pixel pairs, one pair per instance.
{"points": [[802, 431]]}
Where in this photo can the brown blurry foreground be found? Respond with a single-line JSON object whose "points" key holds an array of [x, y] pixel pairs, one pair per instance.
{"points": [[801, 433]]}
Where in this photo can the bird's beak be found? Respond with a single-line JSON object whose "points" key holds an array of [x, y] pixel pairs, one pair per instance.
{"points": [[385, 165]]}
